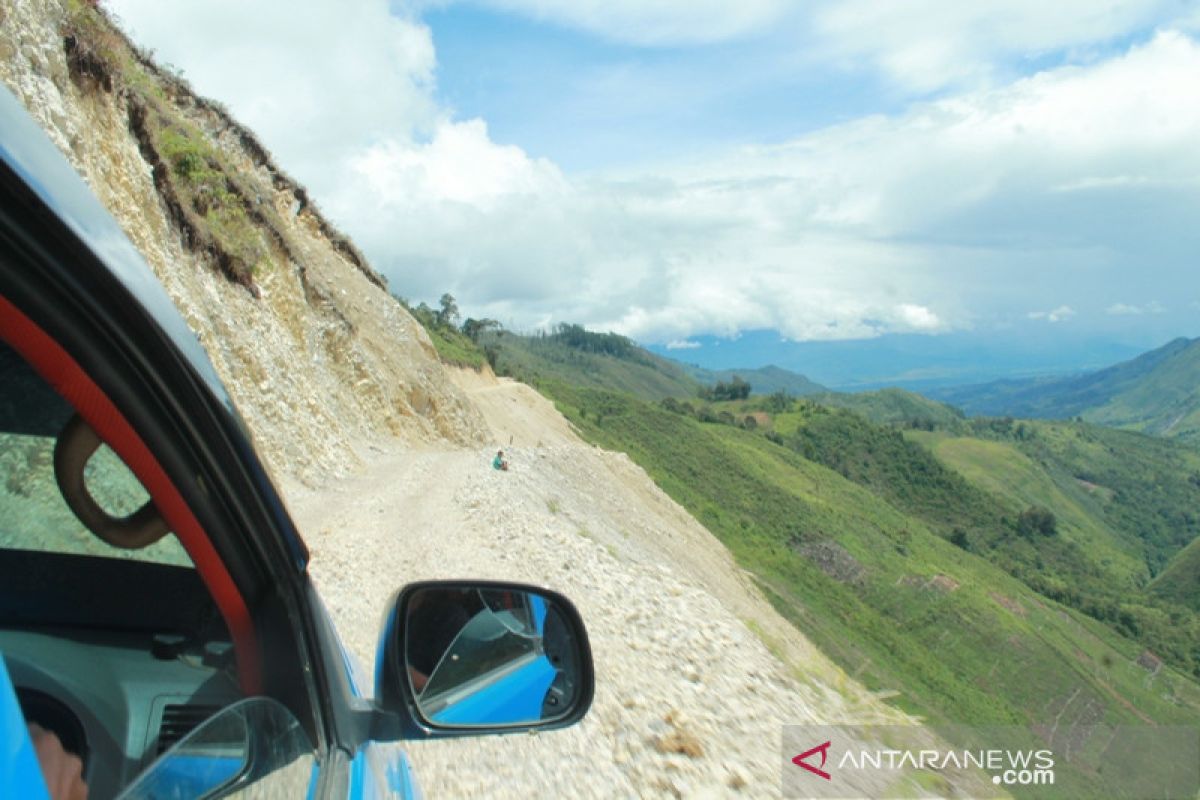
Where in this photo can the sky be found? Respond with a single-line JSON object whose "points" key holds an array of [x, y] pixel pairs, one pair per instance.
{"points": [[687, 171]]}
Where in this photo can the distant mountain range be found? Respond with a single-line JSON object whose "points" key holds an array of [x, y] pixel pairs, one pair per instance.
{"points": [[1156, 393], [915, 362]]}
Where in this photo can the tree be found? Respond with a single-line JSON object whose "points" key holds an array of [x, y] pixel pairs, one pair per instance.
{"points": [[472, 328], [736, 389], [779, 402], [448, 315]]}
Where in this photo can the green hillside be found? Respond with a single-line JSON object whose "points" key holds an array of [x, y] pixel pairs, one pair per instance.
{"points": [[579, 357], [1157, 393], [1002, 470], [892, 601], [895, 407], [912, 544], [1117, 505], [1180, 581], [1165, 401], [1124, 505], [1146, 490], [765, 380]]}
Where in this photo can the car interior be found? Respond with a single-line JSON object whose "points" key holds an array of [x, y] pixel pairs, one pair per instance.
{"points": [[112, 639]]}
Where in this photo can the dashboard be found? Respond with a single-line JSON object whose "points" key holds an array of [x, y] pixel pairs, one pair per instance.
{"points": [[117, 687]]}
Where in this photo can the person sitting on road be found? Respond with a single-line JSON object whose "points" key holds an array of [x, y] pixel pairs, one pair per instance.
{"points": [[500, 462]]}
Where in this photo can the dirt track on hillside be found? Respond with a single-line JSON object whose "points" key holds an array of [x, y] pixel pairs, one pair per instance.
{"points": [[689, 701]]}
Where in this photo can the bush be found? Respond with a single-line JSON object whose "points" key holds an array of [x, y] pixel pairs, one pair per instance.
{"points": [[1037, 519]]}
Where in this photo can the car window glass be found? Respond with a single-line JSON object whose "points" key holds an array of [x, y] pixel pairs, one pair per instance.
{"points": [[33, 514], [493, 639]]}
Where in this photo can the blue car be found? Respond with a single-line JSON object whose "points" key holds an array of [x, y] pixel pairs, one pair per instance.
{"points": [[156, 613]]}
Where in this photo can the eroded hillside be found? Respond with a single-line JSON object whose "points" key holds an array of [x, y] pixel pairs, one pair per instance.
{"points": [[317, 355]]}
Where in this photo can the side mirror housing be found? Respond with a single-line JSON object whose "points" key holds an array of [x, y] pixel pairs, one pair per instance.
{"points": [[465, 658]]}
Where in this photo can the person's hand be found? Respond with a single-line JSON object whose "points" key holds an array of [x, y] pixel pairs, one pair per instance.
{"points": [[62, 771]]}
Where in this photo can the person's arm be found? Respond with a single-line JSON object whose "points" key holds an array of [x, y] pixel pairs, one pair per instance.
{"points": [[62, 771]]}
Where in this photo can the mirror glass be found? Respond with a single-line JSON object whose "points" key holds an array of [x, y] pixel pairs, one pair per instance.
{"points": [[490, 656]]}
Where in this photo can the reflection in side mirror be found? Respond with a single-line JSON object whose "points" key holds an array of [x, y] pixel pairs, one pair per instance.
{"points": [[494, 655]]}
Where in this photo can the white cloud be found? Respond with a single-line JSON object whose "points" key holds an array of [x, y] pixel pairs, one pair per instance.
{"points": [[918, 318], [920, 222], [682, 344], [1127, 310], [926, 45], [905, 224], [1060, 314], [460, 164]]}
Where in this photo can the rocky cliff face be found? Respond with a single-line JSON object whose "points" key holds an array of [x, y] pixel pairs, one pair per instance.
{"points": [[316, 353]]}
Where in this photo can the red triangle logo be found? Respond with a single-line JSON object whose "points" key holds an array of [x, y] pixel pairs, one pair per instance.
{"points": [[823, 749]]}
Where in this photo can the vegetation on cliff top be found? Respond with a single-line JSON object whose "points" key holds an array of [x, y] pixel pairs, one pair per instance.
{"points": [[216, 206]]}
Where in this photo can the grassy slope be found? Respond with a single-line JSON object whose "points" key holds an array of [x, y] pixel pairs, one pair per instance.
{"points": [[1180, 581], [1148, 488], [454, 348], [1125, 508], [965, 654], [1001, 469], [1165, 401], [894, 406], [536, 360], [1108, 536]]}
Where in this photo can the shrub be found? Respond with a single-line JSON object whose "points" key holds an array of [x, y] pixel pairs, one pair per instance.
{"points": [[1037, 519]]}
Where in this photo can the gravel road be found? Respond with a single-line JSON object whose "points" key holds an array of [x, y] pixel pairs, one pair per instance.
{"points": [[689, 701]]}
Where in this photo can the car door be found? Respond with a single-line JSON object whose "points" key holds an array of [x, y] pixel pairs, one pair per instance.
{"points": [[92, 343]]}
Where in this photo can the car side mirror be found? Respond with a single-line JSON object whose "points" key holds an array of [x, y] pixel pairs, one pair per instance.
{"points": [[474, 657]]}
